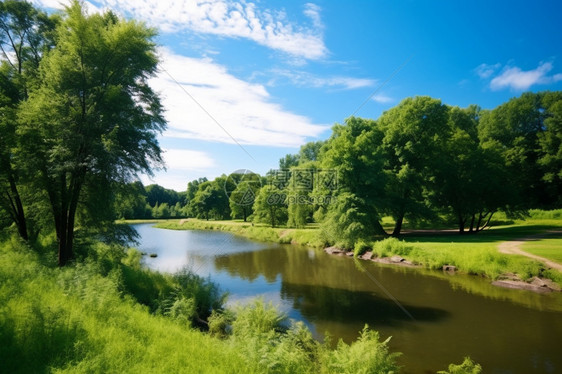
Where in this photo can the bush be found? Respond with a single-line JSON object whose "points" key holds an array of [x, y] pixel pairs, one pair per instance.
{"points": [[391, 246], [360, 248], [367, 355], [467, 367], [194, 298]]}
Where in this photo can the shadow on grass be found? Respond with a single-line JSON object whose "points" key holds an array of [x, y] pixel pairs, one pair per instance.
{"points": [[494, 234]]}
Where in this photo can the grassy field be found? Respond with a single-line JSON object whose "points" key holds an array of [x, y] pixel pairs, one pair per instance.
{"points": [[548, 247], [471, 253]]}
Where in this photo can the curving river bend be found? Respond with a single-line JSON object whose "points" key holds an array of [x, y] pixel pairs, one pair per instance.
{"points": [[440, 319]]}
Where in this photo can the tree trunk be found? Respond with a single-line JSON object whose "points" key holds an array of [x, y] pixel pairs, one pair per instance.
{"points": [[398, 226], [461, 223], [17, 212], [472, 223], [244, 213]]}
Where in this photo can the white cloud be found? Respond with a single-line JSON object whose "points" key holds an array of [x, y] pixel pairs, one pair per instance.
{"points": [[229, 18], [383, 99], [244, 110], [517, 79], [184, 159], [485, 71], [305, 79], [60, 4]]}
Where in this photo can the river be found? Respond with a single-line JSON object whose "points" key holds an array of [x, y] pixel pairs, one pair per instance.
{"points": [[434, 318]]}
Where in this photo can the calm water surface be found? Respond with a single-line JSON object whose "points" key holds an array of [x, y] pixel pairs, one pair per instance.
{"points": [[446, 318]]}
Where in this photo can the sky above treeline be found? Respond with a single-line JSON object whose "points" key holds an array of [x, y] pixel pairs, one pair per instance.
{"points": [[246, 82]]}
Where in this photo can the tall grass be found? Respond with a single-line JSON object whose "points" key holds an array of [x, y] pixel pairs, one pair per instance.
{"points": [[87, 318]]}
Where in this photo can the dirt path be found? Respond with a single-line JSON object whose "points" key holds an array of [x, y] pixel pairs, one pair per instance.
{"points": [[514, 247]]}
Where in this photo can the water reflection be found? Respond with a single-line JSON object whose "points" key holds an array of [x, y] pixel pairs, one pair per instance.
{"points": [[507, 331]]}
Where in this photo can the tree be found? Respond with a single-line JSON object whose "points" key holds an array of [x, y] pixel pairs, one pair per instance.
{"points": [[92, 119], [130, 201], [270, 206], [414, 133], [517, 128], [354, 151], [469, 180], [310, 151], [211, 200], [25, 35], [550, 142], [288, 161], [243, 196]]}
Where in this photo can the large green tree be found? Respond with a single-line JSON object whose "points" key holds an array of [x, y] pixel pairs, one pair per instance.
{"points": [[524, 130], [414, 134], [92, 119], [25, 35], [354, 152], [469, 180]]}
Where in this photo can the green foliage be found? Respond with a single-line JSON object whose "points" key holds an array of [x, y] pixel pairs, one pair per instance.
{"points": [[527, 131], [347, 222], [211, 200], [270, 206], [367, 355], [466, 367], [194, 298], [391, 246], [414, 133], [91, 120], [354, 150], [360, 248]]}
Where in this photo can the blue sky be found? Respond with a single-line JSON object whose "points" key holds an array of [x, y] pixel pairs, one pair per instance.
{"points": [[273, 75]]}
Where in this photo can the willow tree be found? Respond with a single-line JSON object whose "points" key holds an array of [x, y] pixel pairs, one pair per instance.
{"points": [[93, 119]]}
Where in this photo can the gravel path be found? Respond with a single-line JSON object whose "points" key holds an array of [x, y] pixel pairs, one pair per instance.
{"points": [[514, 247]]}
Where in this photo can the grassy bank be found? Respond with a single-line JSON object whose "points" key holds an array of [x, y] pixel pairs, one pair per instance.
{"points": [[307, 236], [475, 254], [107, 316]]}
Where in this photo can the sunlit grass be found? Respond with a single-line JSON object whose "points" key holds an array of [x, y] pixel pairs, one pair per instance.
{"points": [[549, 248]]}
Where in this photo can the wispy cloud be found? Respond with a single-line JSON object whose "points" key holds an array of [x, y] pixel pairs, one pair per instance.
{"points": [[520, 80], [305, 79], [227, 18], [383, 99], [184, 159], [485, 71], [515, 78], [244, 110]]}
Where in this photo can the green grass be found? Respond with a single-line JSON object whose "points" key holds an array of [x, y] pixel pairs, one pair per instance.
{"points": [[85, 318], [548, 247]]}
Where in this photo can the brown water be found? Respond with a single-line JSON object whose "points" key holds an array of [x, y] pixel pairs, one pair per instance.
{"points": [[434, 318]]}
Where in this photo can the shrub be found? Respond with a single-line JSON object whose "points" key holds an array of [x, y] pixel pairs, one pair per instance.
{"points": [[204, 295], [391, 246], [467, 367], [360, 248], [367, 355]]}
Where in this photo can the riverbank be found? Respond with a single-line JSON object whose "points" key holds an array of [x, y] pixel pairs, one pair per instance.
{"points": [[474, 254]]}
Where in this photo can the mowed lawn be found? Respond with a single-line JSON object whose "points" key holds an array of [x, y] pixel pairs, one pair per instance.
{"points": [[550, 248]]}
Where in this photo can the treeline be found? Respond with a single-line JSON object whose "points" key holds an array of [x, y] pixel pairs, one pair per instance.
{"points": [[421, 161], [135, 201]]}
